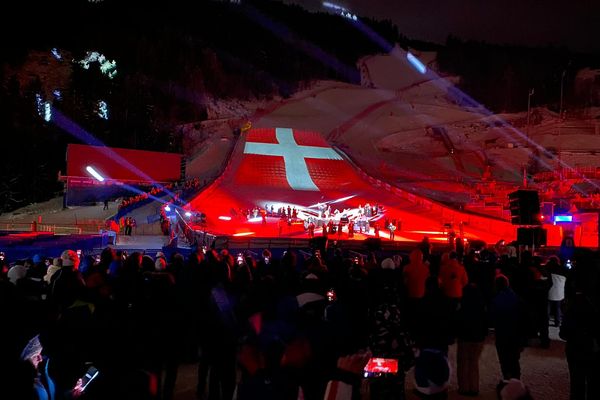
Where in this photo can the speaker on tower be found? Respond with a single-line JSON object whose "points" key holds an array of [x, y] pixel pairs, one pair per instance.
{"points": [[524, 207]]}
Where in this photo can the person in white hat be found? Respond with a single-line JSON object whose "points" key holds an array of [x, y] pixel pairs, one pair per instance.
{"points": [[16, 273], [56, 265], [43, 385]]}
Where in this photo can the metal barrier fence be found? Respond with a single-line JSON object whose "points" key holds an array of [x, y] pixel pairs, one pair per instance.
{"points": [[66, 229], [15, 226], [74, 229]]}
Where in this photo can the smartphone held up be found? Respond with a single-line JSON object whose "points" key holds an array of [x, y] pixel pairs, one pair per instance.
{"points": [[90, 375], [380, 367]]}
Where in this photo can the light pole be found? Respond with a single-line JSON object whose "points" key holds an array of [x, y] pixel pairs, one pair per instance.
{"points": [[562, 81], [560, 120], [531, 92]]}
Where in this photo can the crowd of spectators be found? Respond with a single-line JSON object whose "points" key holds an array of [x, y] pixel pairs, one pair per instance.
{"points": [[178, 190], [134, 200], [266, 328]]}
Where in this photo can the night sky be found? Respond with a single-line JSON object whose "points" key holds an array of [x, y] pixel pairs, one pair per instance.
{"points": [[571, 23]]}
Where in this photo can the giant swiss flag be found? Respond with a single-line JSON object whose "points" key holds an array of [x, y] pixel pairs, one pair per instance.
{"points": [[291, 159]]}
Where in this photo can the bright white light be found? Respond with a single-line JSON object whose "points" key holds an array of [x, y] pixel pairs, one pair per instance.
{"points": [[333, 201], [243, 234], [343, 199], [332, 6], [167, 208], [102, 109], [416, 63], [39, 104], [224, 218], [56, 54], [188, 214], [563, 218], [342, 10], [439, 239], [57, 94], [94, 173], [47, 112], [257, 219], [108, 68]]}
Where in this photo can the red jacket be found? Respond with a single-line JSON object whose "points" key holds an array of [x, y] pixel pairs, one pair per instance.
{"points": [[415, 275], [453, 278]]}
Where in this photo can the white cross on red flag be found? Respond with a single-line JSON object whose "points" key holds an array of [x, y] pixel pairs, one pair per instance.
{"points": [[295, 159]]}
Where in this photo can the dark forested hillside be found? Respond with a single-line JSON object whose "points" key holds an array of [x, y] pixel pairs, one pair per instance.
{"points": [[171, 56], [501, 76]]}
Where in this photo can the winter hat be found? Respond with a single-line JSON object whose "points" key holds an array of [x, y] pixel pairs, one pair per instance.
{"points": [[32, 348], [160, 264], [388, 263], [70, 259], [15, 273]]}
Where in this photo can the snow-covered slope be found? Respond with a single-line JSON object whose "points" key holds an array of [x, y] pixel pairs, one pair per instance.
{"points": [[411, 132]]}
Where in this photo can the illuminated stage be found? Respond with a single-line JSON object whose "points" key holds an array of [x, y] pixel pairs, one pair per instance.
{"points": [[271, 169]]}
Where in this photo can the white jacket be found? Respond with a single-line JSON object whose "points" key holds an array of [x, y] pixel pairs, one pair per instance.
{"points": [[557, 291]]}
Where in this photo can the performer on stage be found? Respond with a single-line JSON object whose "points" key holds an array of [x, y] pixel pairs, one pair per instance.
{"points": [[392, 229]]}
